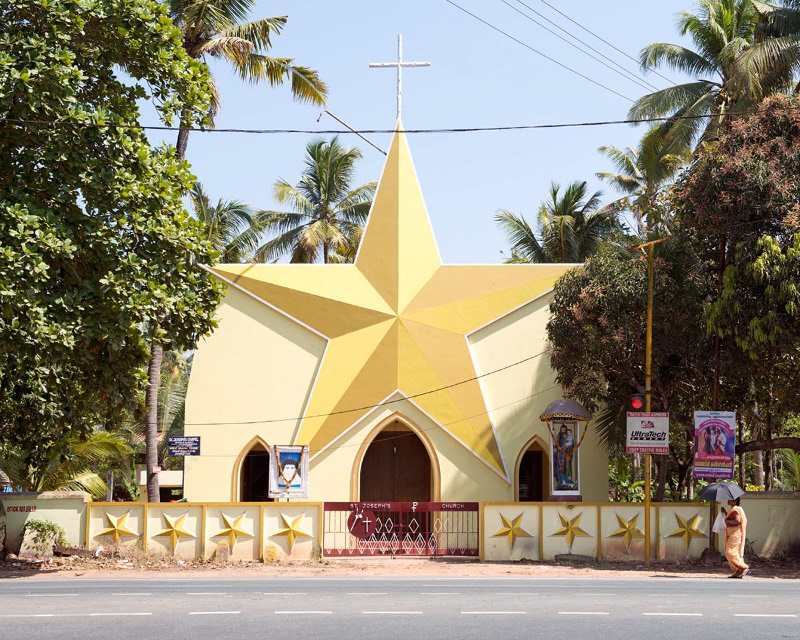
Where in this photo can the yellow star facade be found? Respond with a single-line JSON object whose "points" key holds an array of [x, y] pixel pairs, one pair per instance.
{"points": [[407, 378]]}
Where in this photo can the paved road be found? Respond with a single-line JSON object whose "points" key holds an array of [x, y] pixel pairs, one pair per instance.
{"points": [[374, 608]]}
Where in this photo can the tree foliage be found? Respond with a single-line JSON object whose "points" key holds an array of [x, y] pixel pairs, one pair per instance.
{"points": [[98, 254], [327, 213], [570, 226]]}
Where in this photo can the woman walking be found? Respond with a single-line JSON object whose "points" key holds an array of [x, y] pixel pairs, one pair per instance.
{"points": [[735, 530]]}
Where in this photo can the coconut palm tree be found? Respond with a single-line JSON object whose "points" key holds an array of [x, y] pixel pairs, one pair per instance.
{"points": [[726, 81], [70, 467], [327, 216], [777, 39], [218, 29], [232, 227], [640, 175], [570, 227]]}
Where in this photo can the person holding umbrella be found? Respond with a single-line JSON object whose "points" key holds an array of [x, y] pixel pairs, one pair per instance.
{"points": [[735, 523], [735, 531]]}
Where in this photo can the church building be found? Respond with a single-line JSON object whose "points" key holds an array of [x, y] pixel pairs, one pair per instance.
{"points": [[409, 379]]}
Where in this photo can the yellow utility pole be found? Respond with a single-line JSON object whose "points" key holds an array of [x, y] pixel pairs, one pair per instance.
{"points": [[648, 387]]}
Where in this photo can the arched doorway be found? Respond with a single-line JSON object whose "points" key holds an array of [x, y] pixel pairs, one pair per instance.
{"points": [[396, 467], [254, 475], [533, 469]]}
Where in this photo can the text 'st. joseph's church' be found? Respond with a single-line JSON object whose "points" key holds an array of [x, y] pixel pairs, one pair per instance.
{"points": [[409, 379]]}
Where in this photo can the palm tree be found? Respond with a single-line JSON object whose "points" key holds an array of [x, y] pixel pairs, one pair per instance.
{"points": [[218, 29], [72, 467], [327, 216], [640, 175], [777, 38], [570, 227], [231, 226], [727, 81]]}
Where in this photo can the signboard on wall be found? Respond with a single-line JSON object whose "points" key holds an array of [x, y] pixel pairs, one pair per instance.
{"points": [[183, 445], [648, 432], [288, 471], [714, 444]]}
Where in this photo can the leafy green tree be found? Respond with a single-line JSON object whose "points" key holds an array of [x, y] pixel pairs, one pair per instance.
{"points": [[219, 29], [726, 81], [71, 467], [328, 214], [231, 226], [570, 227], [641, 175], [99, 256], [746, 189], [777, 38], [597, 331]]}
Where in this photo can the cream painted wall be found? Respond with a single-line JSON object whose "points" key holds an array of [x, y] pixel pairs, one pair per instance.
{"points": [[257, 365], [261, 365], [64, 508]]}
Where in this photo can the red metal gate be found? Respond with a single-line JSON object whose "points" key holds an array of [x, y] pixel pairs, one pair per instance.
{"points": [[400, 528]]}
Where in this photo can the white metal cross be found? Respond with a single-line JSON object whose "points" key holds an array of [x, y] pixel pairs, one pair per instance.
{"points": [[399, 66]]}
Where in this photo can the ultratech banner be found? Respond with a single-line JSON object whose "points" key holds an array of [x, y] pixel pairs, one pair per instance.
{"points": [[648, 433]]}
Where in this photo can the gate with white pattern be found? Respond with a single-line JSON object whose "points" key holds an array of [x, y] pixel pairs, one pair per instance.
{"points": [[400, 529]]}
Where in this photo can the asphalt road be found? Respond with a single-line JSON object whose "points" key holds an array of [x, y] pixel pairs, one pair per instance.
{"points": [[374, 608]]}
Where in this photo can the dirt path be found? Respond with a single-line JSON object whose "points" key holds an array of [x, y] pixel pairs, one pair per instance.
{"points": [[65, 568]]}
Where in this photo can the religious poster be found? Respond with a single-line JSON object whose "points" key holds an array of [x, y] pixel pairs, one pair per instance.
{"points": [[714, 444], [647, 432], [288, 472], [565, 468]]}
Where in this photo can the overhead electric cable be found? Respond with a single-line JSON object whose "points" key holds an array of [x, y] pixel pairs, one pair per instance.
{"points": [[629, 75], [381, 404], [544, 55], [559, 125], [601, 39], [412, 433]]}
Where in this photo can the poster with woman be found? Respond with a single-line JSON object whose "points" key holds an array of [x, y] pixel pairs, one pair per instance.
{"points": [[714, 444]]}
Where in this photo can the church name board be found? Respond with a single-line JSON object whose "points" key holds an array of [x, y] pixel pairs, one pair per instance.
{"points": [[404, 507], [183, 446]]}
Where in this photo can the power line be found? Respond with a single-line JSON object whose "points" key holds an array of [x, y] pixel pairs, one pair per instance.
{"points": [[622, 70], [544, 55], [412, 433], [381, 404], [559, 125], [589, 31]]}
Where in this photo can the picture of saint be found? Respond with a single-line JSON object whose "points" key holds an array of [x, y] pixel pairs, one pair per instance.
{"points": [[564, 459], [289, 470]]}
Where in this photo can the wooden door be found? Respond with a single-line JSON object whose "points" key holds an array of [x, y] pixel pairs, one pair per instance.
{"points": [[396, 468]]}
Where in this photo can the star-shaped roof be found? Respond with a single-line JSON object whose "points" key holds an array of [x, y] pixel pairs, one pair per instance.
{"points": [[397, 321]]}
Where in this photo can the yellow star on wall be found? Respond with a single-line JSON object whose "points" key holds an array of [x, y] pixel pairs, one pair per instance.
{"points": [[511, 530], [175, 529], [687, 529], [627, 530], [292, 529], [117, 527], [397, 321], [570, 530], [233, 529]]}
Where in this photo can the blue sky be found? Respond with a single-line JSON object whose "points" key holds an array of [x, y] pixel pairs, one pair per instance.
{"points": [[478, 78]]}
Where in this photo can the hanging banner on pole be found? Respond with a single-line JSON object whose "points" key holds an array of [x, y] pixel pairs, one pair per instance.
{"points": [[714, 444], [288, 472], [648, 432]]}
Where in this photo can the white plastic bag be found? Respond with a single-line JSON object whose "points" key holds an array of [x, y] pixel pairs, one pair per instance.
{"points": [[719, 523]]}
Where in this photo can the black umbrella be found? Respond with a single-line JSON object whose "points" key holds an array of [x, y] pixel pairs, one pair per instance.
{"points": [[721, 492]]}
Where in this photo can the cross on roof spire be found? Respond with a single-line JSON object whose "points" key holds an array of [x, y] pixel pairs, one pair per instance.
{"points": [[399, 66]]}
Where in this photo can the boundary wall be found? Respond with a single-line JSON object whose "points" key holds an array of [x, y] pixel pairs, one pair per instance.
{"points": [[509, 531]]}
